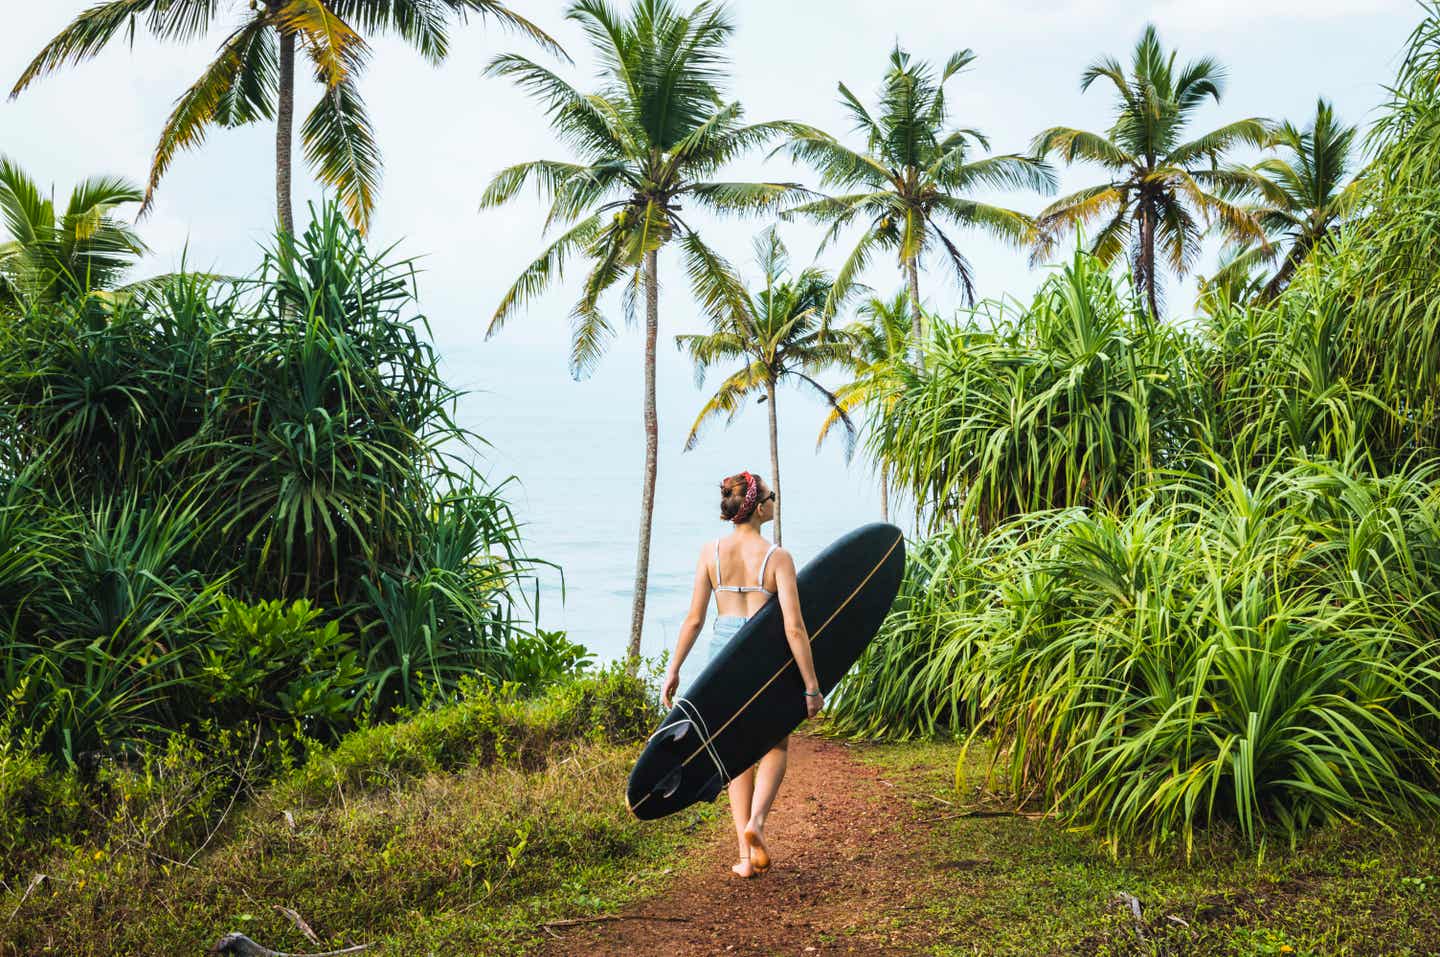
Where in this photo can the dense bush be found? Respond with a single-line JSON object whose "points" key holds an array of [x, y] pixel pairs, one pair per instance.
{"points": [[247, 499], [1267, 658], [1190, 578], [1068, 400]]}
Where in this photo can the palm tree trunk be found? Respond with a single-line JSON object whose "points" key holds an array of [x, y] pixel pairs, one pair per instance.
{"points": [[284, 122], [884, 495], [1147, 256], [774, 452], [652, 445], [917, 328], [1292, 261]]}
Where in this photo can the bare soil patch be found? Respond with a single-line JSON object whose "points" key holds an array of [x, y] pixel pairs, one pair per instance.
{"points": [[849, 859]]}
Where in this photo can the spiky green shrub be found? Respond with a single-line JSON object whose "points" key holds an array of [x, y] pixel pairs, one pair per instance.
{"points": [[206, 446], [1071, 399], [1266, 656]]}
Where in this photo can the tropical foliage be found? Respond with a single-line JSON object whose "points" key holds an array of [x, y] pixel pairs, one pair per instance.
{"points": [[242, 502], [1065, 402], [51, 254], [653, 137], [1163, 189], [879, 341], [253, 77], [777, 332], [1217, 607], [1301, 197], [913, 178]]}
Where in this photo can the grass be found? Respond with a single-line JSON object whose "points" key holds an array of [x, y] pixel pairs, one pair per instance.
{"points": [[1013, 884], [457, 831]]}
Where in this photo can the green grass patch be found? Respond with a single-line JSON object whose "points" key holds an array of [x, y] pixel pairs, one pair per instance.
{"points": [[457, 831], [1011, 884]]}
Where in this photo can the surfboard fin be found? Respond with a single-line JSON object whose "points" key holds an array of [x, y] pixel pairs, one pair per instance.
{"points": [[669, 784], [678, 730], [712, 788]]}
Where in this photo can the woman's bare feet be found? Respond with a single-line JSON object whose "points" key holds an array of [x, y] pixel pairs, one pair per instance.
{"points": [[744, 868], [759, 854]]}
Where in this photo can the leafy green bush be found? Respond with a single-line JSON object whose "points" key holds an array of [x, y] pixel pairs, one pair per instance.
{"points": [[1267, 657], [487, 723], [1072, 399], [270, 662], [543, 658], [36, 806], [285, 438]]}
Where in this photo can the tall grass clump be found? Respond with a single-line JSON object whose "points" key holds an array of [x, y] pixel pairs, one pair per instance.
{"points": [[245, 500], [1264, 657], [1071, 399]]}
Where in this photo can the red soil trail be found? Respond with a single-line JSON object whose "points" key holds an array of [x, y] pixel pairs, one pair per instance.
{"points": [[847, 849]]}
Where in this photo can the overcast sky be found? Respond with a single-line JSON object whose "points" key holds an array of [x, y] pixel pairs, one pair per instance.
{"points": [[444, 132]]}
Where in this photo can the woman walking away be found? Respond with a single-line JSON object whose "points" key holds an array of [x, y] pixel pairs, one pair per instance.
{"points": [[744, 571]]}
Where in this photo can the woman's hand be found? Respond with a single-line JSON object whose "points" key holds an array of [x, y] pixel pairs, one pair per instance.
{"points": [[668, 689], [814, 701]]}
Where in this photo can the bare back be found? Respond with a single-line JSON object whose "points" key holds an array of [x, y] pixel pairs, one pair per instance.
{"points": [[741, 575]]}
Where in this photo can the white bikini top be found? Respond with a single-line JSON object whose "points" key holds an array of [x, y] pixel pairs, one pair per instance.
{"points": [[743, 588]]}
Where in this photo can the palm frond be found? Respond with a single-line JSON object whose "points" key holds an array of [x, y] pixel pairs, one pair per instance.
{"points": [[199, 106], [340, 144]]}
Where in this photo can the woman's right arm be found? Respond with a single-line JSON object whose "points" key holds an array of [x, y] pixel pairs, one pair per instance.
{"points": [[689, 629]]}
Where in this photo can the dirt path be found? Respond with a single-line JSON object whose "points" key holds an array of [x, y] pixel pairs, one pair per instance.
{"points": [[847, 850]]}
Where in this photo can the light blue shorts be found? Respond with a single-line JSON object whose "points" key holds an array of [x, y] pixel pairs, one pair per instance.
{"points": [[704, 650]]}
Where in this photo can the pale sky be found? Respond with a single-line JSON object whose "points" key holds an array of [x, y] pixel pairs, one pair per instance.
{"points": [[444, 132]]}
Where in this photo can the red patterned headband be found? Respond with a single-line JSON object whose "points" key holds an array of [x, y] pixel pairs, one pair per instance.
{"points": [[752, 492]]}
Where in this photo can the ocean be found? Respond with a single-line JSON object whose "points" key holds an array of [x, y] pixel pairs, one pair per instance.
{"points": [[577, 450]]}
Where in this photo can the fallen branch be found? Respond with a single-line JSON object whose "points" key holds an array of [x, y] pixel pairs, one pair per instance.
{"points": [[34, 883], [957, 815], [1133, 903], [294, 917], [573, 921], [242, 946]]}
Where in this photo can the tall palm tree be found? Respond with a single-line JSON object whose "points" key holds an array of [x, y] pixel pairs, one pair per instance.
{"points": [[653, 136], [253, 77], [1161, 185], [1302, 195], [47, 255], [778, 332], [879, 346], [912, 176]]}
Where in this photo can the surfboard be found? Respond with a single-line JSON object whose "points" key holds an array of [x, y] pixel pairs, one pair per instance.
{"points": [[751, 694]]}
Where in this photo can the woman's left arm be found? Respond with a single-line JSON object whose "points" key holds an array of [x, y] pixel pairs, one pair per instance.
{"points": [[796, 636], [689, 629]]}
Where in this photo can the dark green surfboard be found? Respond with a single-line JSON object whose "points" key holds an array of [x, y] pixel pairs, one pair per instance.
{"points": [[751, 695]]}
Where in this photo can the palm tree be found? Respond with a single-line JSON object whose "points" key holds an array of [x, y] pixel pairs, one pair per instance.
{"points": [[911, 177], [1302, 196], [1159, 182], [253, 77], [778, 332], [879, 344], [650, 138], [49, 256]]}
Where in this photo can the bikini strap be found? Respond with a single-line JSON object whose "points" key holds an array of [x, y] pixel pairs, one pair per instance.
{"points": [[763, 562], [717, 563]]}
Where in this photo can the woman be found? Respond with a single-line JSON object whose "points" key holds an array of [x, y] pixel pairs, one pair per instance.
{"points": [[744, 571]]}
